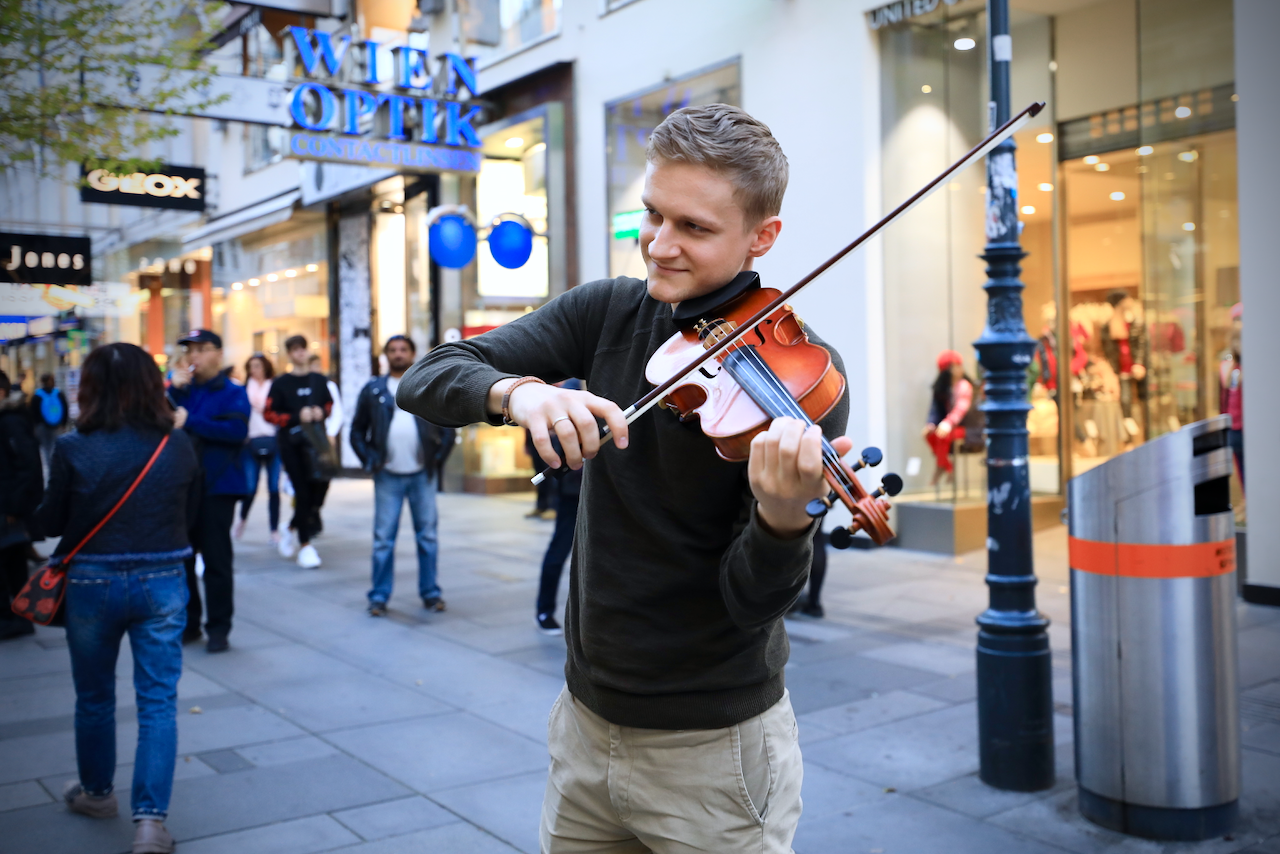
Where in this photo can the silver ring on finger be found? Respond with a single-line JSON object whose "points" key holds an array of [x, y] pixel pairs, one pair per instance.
{"points": [[558, 420]]}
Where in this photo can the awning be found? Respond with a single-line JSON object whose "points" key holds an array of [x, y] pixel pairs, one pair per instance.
{"points": [[242, 222]]}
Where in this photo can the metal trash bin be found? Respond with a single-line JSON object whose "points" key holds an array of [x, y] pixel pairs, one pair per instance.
{"points": [[1153, 633]]}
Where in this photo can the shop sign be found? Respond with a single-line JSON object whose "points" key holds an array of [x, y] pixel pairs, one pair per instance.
{"points": [[902, 10], [173, 187], [419, 125], [44, 259]]}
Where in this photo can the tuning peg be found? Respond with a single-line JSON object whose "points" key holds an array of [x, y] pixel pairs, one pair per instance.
{"points": [[840, 538], [890, 485], [819, 506], [872, 456]]}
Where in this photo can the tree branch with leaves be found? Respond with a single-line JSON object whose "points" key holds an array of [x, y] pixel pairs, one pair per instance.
{"points": [[89, 81]]}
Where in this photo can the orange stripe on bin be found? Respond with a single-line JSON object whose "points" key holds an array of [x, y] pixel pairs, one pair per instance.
{"points": [[1133, 560]]}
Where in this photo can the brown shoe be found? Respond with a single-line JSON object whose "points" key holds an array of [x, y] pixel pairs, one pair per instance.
{"points": [[77, 801], [151, 837]]}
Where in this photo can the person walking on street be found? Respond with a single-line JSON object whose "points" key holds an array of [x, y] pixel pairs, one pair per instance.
{"points": [[333, 421], [21, 487], [127, 578], [50, 412], [214, 411], [405, 454], [297, 398], [263, 453]]}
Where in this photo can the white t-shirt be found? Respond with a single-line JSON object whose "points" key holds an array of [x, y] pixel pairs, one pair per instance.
{"points": [[404, 447]]}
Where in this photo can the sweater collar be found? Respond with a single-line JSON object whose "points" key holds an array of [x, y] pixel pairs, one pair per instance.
{"points": [[691, 311]]}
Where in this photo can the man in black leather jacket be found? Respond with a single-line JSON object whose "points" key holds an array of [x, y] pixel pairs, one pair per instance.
{"points": [[405, 455]]}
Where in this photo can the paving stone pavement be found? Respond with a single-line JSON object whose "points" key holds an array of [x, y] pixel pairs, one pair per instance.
{"points": [[325, 730]]}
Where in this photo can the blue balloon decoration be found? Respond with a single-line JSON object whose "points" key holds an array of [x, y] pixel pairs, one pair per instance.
{"points": [[511, 244], [452, 241]]}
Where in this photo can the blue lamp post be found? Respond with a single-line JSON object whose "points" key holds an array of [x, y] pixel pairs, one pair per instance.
{"points": [[1015, 694]]}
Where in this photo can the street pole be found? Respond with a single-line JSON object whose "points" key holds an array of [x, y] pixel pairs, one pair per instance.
{"points": [[1015, 692]]}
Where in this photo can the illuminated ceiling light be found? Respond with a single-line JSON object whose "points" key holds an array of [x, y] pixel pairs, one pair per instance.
{"points": [[253, 283], [1103, 167], [926, 88], [291, 273], [1188, 156], [1145, 150], [237, 286], [1092, 159], [1182, 112], [1028, 210], [1047, 188], [311, 268], [965, 43], [515, 142], [1117, 196], [1188, 226], [271, 277], [1045, 137]]}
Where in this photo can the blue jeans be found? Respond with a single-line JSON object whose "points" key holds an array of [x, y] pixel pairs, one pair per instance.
{"points": [[149, 602], [263, 453], [390, 491]]}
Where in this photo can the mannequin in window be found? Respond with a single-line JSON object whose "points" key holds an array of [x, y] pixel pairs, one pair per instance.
{"points": [[952, 397]]}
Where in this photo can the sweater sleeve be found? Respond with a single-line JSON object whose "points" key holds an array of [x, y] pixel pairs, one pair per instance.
{"points": [[450, 385], [275, 410], [761, 575]]}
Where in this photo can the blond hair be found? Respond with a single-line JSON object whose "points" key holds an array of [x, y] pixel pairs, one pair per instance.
{"points": [[731, 142]]}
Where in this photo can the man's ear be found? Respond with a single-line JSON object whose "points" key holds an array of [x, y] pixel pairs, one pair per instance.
{"points": [[764, 236]]}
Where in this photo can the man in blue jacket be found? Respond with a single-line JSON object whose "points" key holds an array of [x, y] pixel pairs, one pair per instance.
{"points": [[214, 411], [405, 454]]}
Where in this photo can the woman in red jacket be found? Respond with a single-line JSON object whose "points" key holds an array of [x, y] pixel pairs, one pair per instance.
{"points": [[952, 397]]}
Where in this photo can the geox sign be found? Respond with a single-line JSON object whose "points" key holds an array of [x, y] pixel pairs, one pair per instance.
{"points": [[40, 259], [174, 187]]}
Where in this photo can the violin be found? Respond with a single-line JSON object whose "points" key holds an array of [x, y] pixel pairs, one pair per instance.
{"points": [[774, 372], [726, 340]]}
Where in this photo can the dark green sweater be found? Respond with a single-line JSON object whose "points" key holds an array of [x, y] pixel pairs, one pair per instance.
{"points": [[676, 593]]}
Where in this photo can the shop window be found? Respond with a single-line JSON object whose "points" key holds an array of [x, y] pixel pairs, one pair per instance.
{"points": [[1152, 269], [628, 123], [509, 25]]}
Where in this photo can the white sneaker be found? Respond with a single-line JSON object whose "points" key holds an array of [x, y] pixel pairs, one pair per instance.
{"points": [[308, 558], [237, 530], [288, 545]]}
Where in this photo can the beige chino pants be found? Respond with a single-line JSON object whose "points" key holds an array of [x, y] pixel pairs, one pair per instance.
{"points": [[622, 790]]}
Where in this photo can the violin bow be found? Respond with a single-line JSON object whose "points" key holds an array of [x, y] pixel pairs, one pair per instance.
{"points": [[982, 149]]}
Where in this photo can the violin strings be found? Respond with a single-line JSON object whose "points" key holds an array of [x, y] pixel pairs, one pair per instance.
{"points": [[776, 396]]}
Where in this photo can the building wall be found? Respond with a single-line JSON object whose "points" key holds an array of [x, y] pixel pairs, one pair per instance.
{"points": [[1257, 66]]}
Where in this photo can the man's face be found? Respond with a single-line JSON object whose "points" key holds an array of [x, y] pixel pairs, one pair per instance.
{"points": [[48, 383], [299, 356], [204, 358], [693, 236], [399, 356]]}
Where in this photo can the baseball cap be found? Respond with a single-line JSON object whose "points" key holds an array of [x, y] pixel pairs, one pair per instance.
{"points": [[202, 336]]}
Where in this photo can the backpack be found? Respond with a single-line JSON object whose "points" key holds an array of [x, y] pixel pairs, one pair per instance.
{"points": [[51, 410]]}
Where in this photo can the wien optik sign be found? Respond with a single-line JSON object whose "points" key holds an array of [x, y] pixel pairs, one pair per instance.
{"points": [[415, 124]]}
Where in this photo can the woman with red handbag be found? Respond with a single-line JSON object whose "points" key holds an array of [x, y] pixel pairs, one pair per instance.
{"points": [[119, 491]]}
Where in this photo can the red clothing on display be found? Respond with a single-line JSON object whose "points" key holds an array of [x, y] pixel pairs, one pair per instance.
{"points": [[942, 447]]}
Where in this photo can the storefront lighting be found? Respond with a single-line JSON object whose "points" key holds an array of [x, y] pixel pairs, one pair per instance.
{"points": [[1145, 150], [1235, 97], [1117, 196], [1046, 188], [1188, 226], [1044, 137], [1028, 210], [1188, 156], [290, 273], [1183, 112], [515, 142], [271, 277], [965, 44], [1092, 159], [1103, 167], [253, 283], [311, 268], [926, 88], [237, 286]]}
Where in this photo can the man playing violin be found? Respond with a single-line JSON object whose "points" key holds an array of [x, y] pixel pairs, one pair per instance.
{"points": [[675, 731]]}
